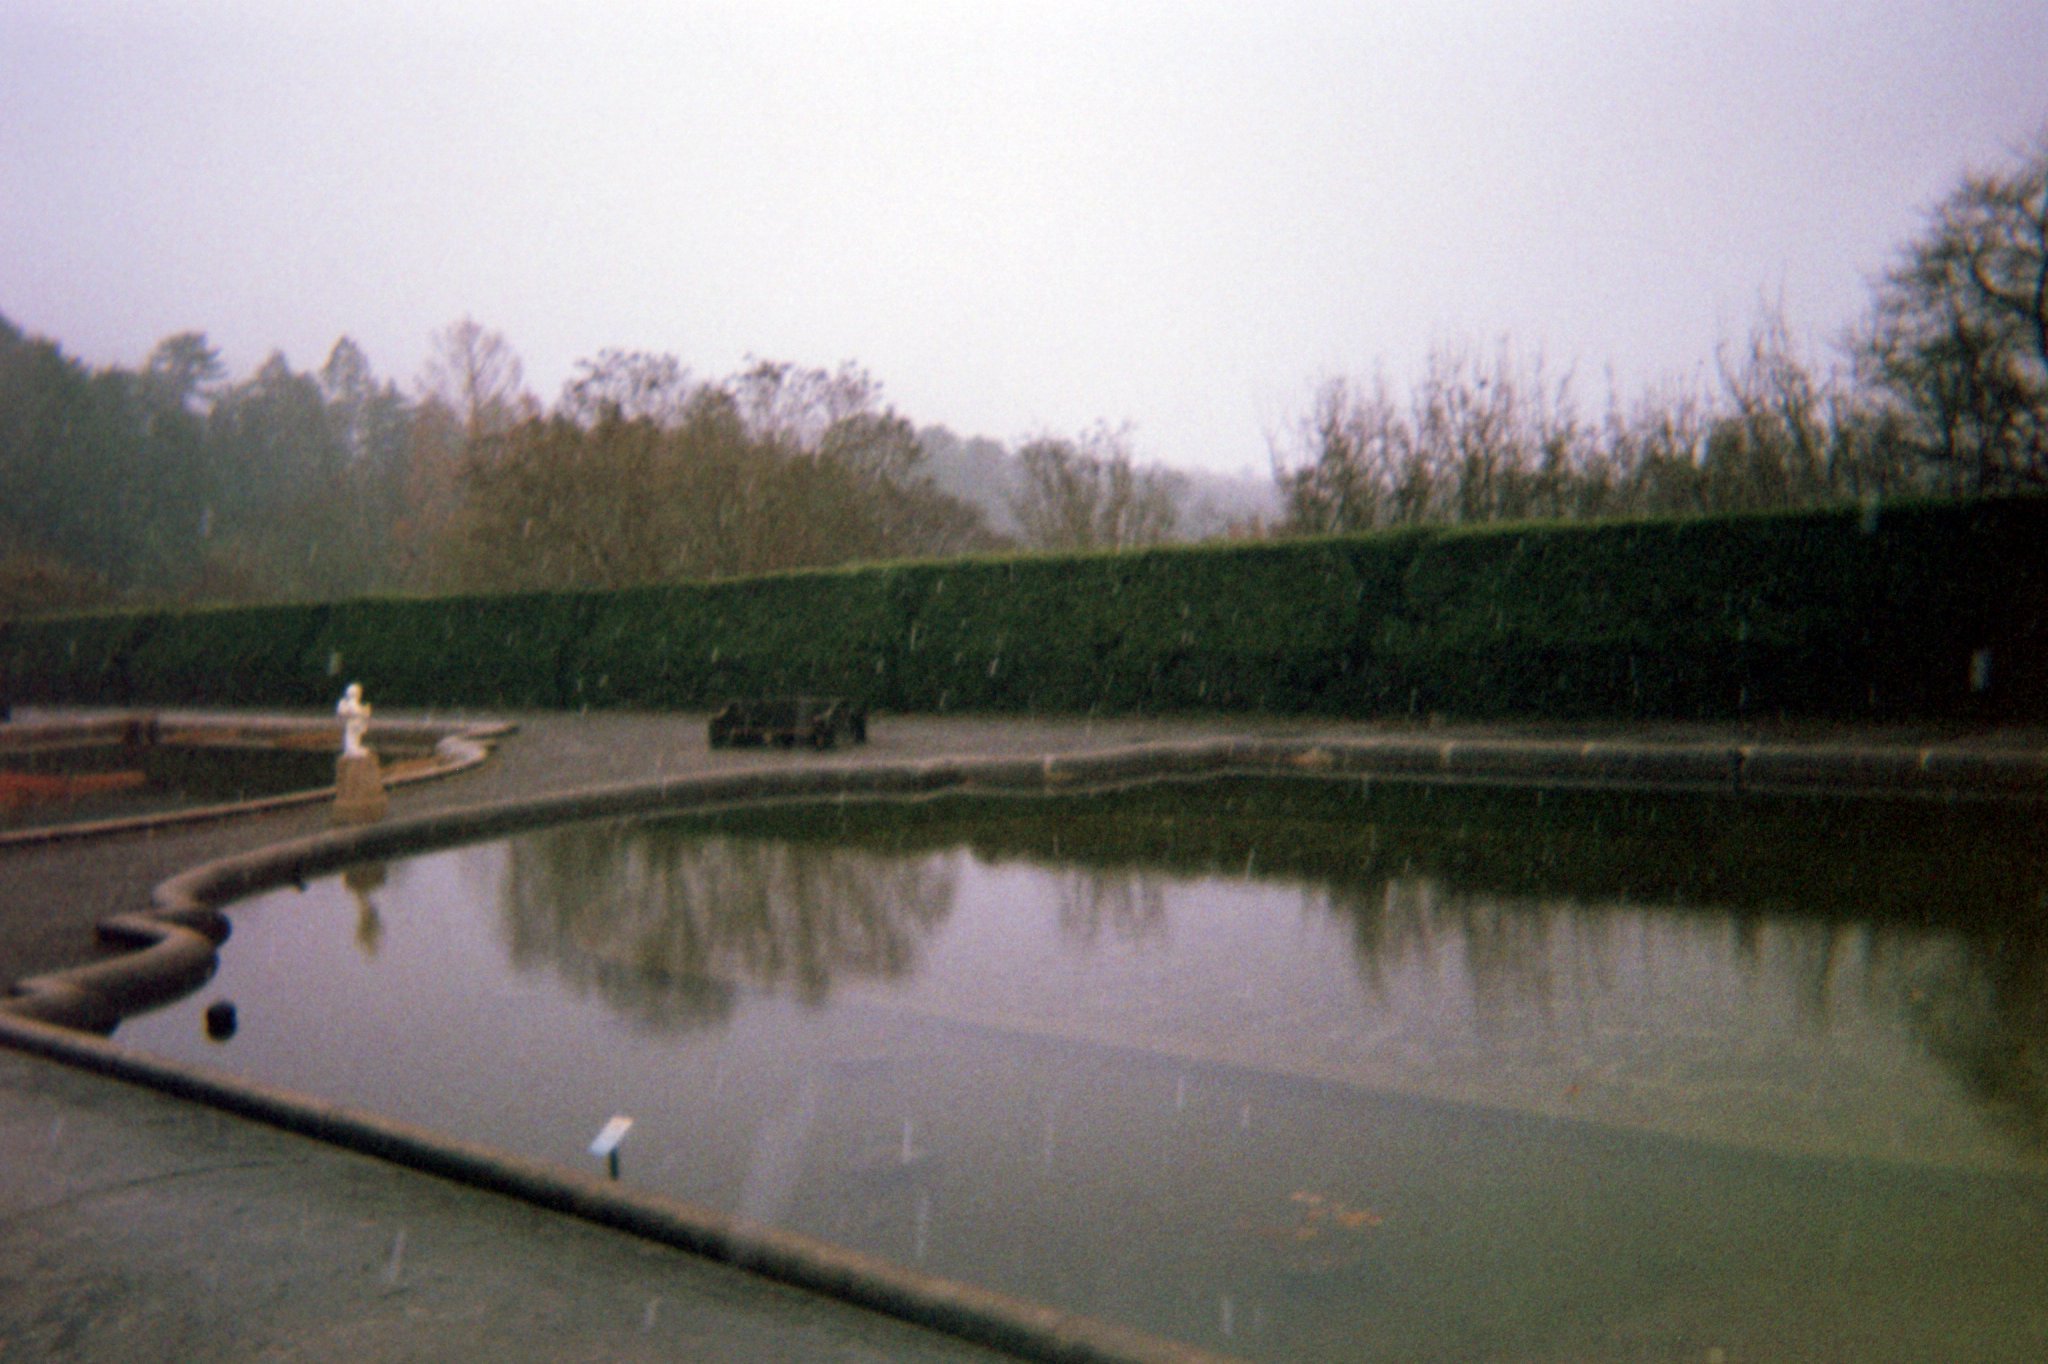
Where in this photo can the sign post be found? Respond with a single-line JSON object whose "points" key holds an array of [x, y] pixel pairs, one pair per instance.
{"points": [[608, 1138]]}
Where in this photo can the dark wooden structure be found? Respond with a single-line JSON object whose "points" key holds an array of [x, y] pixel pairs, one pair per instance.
{"points": [[786, 721]]}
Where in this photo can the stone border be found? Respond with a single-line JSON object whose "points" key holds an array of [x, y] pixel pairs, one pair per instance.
{"points": [[173, 943], [1025, 1329], [175, 946], [455, 747]]}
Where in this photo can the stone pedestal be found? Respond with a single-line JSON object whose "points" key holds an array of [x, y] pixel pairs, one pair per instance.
{"points": [[358, 789]]}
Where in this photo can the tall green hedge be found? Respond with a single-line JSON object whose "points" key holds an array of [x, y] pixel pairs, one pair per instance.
{"points": [[697, 645], [83, 658], [1920, 610], [227, 656], [510, 651]]}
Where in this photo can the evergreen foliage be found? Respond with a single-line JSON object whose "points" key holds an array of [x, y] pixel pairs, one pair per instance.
{"points": [[1910, 611], [502, 651]]}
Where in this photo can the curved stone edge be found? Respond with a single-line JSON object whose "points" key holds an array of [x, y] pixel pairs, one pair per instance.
{"points": [[95, 996], [457, 751], [170, 955], [1945, 771], [1025, 1329], [177, 941]]}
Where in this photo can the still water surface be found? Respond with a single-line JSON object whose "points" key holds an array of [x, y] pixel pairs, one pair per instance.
{"points": [[87, 782], [1307, 1070]]}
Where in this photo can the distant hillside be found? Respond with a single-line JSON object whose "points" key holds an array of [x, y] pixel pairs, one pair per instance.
{"points": [[1212, 503], [974, 469], [982, 471]]}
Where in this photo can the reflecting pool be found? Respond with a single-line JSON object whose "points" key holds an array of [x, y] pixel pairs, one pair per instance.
{"points": [[77, 784], [1291, 1069]]}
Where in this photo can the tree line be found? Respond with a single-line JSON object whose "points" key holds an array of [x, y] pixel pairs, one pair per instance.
{"points": [[1942, 390], [170, 482], [164, 483]]}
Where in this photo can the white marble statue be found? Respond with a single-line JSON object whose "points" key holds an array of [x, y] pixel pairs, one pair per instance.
{"points": [[355, 718]]}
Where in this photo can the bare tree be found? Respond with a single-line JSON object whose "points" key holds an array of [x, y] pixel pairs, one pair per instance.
{"points": [[1474, 442], [1652, 450], [1773, 444], [1088, 493], [635, 480], [1350, 448], [476, 374], [628, 386], [795, 406], [1958, 337]]}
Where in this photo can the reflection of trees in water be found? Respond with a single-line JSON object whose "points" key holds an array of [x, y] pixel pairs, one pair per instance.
{"points": [[1931, 913], [1519, 955], [1129, 905], [1977, 998], [669, 923], [1980, 1003]]}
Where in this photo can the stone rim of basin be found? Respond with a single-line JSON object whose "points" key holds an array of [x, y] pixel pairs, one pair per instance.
{"points": [[422, 750]]}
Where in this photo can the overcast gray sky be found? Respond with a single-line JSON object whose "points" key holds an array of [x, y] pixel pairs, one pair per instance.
{"points": [[1020, 217]]}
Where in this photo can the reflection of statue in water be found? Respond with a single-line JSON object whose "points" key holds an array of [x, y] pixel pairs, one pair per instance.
{"points": [[360, 880], [355, 720]]}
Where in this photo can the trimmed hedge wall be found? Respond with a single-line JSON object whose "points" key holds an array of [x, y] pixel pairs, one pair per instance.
{"points": [[1889, 612]]}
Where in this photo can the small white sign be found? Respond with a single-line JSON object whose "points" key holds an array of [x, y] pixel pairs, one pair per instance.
{"points": [[610, 1135]]}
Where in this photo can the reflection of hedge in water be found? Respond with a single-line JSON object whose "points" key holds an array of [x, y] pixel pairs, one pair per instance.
{"points": [[1839, 613], [668, 925], [1967, 864], [1405, 865]]}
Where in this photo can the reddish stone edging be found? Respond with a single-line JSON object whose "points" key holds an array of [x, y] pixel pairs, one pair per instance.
{"points": [[457, 748]]}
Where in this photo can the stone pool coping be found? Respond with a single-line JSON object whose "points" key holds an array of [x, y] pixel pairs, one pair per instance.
{"points": [[1025, 1329], [173, 947], [451, 748]]}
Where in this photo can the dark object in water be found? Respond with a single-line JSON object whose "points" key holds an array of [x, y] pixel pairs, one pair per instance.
{"points": [[785, 721], [220, 1020]]}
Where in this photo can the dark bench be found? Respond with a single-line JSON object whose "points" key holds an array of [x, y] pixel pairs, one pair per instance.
{"points": [[786, 721]]}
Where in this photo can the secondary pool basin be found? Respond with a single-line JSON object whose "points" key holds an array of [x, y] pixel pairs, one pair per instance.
{"points": [[1320, 1066], [68, 778]]}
